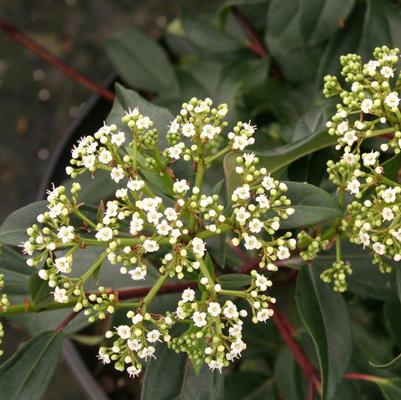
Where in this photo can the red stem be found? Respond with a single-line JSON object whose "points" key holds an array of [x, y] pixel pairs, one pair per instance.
{"points": [[255, 44], [363, 377], [311, 389], [21, 38], [66, 321]]}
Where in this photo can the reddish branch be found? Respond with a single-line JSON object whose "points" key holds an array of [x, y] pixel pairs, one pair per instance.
{"points": [[255, 44], [66, 321], [21, 38]]}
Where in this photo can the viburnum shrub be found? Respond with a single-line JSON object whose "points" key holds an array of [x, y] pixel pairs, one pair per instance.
{"points": [[164, 232]]}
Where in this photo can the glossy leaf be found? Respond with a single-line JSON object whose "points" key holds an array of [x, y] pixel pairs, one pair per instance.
{"points": [[248, 385], [234, 281], [325, 316], [16, 272], [312, 205], [390, 388], [170, 376], [140, 60], [13, 229], [27, 373], [39, 290]]}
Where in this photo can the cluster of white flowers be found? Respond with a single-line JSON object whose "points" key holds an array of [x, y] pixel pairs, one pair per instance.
{"points": [[369, 109], [139, 222]]}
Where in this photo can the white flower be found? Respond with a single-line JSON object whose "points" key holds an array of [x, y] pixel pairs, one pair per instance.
{"points": [[60, 295], [342, 127], [349, 158], [188, 295], [153, 216], [366, 105], [174, 126], [387, 72], [264, 314], [104, 234], [242, 141], [163, 228], [268, 183], [237, 347], [242, 192], [118, 138], [153, 336], [370, 159], [387, 214], [103, 357], [364, 237], [349, 138], [252, 243], [379, 248], [137, 318], [63, 264], [105, 156], [392, 100], [283, 253], [143, 123], [353, 186], [147, 352], [263, 201], [150, 246], [133, 371], [199, 319], [170, 214], [248, 128], [188, 130], [371, 67], [242, 215], [136, 224], [214, 364], [66, 233], [198, 247], [135, 184], [255, 225], [249, 158], [138, 273], [89, 161], [121, 193], [124, 331], [262, 282], [230, 310], [175, 151], [389, 195], [235, 330], [117, 173], [209, 132], [397, 234], [180, 186], [214, 309]]}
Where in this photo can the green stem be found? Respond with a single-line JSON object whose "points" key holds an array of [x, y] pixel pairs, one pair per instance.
{"points": [[84, 218], [205, 271], [153, 292], [383, 131], [200, 174], [94, 267], [221, 153], [28, 308], [127, 305], [234, 293]]}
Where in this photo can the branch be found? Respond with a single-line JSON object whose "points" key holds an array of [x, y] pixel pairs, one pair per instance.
{"points": [[66, 321], [24, 40]]}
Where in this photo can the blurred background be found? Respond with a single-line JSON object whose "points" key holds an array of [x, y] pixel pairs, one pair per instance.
{"points": [[38, 104]]}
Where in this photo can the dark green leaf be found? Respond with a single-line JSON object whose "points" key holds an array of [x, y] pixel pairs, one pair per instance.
{"points": [[392, 166], [325, 316], [392, 312], [39, 290], [27, 373], [16, 272], [13, 229], [170, 376], [394, 363], [248, 385], [311, 204], [234, 281], [204, 34], [390, 388], [141, 61]]}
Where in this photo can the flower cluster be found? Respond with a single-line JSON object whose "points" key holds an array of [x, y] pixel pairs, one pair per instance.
{"points": [[369, 109], [169, 219], [4, 303]]}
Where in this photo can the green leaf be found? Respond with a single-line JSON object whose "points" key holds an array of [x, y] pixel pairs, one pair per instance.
{"points": [[226, 7], [16, 272], [390, 388], [170, 376], [324, 314], [27, 373], [312, 205], [391, 167], [394, 363], [13, 229], [392, 312], [208, 36], [141, 61], [234, 281], [39, 290], [248, 385]]}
